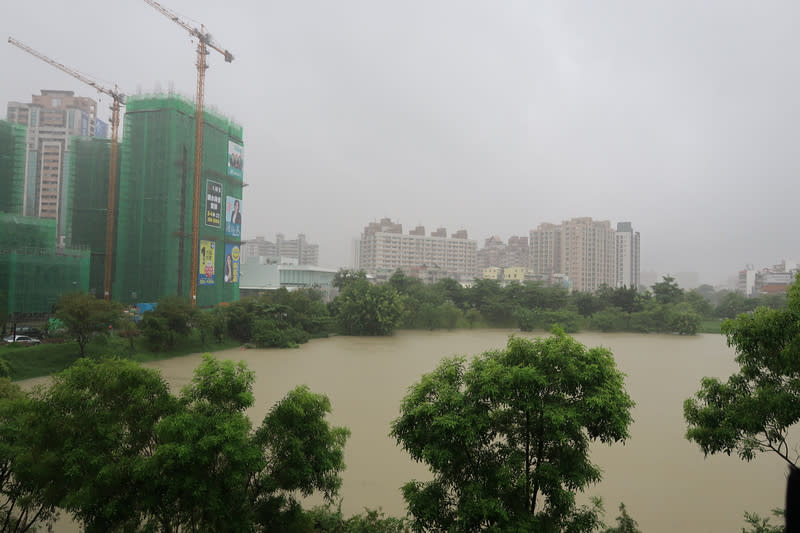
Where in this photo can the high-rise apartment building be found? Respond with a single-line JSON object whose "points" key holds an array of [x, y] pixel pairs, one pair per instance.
{"points": [[627, 256], [299, 250], [496, 253], [585, 251], [545, 250], [154, 227], [52, 118], [12, 167], [384, 248], [89, 174]]}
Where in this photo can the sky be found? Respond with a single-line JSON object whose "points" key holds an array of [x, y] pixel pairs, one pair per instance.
{"points": [[493, 116]]}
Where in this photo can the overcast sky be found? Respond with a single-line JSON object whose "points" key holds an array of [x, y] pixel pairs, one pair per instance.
{"points": [[682, 117]]}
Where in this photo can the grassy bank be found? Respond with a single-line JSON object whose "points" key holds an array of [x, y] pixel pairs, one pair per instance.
{"points": [[710, 325], [46, 359]]}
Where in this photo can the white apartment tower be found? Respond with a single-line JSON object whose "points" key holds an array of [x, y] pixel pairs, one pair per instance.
{"points": [[627, 256], [384, 249], [52, 118]]}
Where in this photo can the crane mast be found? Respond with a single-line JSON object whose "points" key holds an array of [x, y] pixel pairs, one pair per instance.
{"points": [[204, 42], [118, 100]]}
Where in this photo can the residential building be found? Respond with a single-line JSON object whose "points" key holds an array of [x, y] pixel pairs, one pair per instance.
{"points": [[492, 254], [52, 118], [518, 252], [156, 217], [34, 272], [282, 251], [12, 167], [87, 224], [587, 253], [499, 254], [545, 250], [746, 283], [583, 251], [384, 248], [627, 256], [514, 274], [492, 273]]}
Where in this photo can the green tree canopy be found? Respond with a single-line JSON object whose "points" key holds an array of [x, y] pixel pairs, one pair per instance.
{"points": [[753, 410], [507, 436], [667, 291], [85, 316], [366, 309], [110, 444]]}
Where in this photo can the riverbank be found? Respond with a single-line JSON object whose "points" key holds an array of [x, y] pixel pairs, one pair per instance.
{"points": [[46, 359]]}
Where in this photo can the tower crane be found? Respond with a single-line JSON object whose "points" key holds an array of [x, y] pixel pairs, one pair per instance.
{"points": [[204, 42], [118, 100]]}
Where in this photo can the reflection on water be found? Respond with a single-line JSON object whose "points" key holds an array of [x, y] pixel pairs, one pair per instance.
{"points": [[663, 479]]}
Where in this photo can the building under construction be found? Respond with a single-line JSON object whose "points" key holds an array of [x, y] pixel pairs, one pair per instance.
{"points": [[34, 273], [156, 188], [12, 167], [88, 174]]}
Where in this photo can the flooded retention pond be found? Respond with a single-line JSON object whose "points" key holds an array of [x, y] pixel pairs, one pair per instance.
{"points": [[664, 480]]}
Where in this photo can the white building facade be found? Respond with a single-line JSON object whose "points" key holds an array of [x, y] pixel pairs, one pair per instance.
{"points": [[384, 248]]}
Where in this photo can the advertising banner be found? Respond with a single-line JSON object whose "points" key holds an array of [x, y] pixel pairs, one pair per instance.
{"points": [[207, 256], [233, 217], [213, 203], [232, 263], [235, 160]]}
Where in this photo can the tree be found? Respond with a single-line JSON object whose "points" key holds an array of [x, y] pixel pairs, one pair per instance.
{"points": [[507, 437], [683, 319], [753, 410], [345, 277], [23, 505], [90, 437], [109, 443], [85, 316], [365, 309], [171, 320], [733, 304], [625, 524], [699, 303], [667, 291]]}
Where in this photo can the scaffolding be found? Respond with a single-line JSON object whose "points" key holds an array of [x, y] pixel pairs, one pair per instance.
{"points": [[88, 173], [154, 228], [34, 273], [12, 167]]}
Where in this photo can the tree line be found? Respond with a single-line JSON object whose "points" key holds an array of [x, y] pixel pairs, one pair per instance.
{"points": [[404, 302], [284, 319]]}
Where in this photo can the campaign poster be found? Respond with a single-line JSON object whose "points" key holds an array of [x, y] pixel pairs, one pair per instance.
{"points": [[232, 263], [207, 256], [233, 217], [235, 160], [213, 203]]}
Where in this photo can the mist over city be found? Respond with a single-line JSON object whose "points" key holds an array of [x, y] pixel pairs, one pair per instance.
{"points": [[679, 117]]}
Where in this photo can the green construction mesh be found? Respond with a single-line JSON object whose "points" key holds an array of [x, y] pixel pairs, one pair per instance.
{"points": [[89, 174], [154, 228], [33, 272], [12, 167]]}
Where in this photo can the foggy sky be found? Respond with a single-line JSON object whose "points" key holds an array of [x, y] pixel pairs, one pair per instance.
{"points": [[495, 116]]}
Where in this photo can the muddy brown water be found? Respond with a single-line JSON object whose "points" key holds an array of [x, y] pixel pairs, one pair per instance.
{"points": [[664, 480]]}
